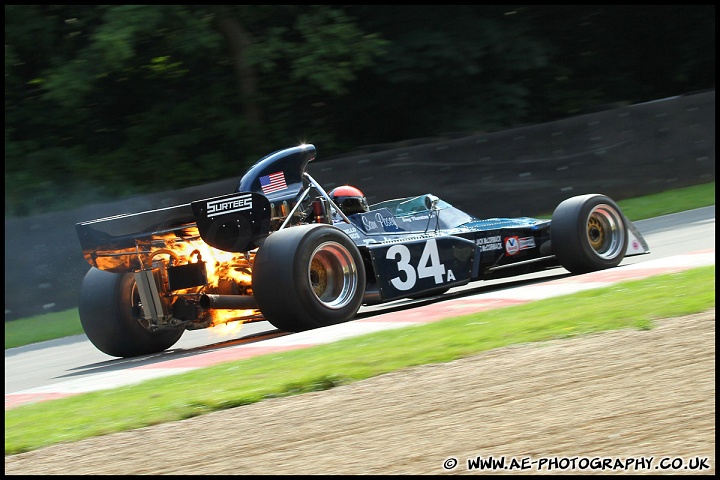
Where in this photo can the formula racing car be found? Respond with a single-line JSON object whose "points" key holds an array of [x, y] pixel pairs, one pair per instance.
{"points": [[282, 249]]}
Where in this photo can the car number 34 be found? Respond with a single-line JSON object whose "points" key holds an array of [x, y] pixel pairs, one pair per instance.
{"points": [[422, 265], [428, 266]]}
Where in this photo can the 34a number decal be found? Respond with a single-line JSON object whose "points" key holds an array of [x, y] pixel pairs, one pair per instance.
{"points": [[428, 266], [403, 266]]}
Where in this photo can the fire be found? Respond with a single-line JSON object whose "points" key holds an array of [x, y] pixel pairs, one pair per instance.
{"points": [[228, 273], [229, 328], [226, 317]]}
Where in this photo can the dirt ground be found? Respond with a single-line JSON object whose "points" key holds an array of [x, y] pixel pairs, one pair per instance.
{"points": [[620, 397]]}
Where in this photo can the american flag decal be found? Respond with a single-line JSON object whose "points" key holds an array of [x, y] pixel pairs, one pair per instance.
{"points": [[273, 182]]}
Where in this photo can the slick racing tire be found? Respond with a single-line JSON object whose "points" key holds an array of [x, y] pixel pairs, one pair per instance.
{"points": [[308, 276], [588, 233], [107, 303]]}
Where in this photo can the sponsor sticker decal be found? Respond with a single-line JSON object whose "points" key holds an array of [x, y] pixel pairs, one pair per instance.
{"points": [[527, 242], [514, 244], [229, 205], [489, 243], [378, 221]]}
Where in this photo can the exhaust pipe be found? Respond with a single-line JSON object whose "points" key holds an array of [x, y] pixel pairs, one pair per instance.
{"points": [[228, 302]]}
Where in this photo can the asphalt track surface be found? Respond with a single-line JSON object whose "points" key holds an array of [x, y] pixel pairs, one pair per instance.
{"points": [[72, 365]]}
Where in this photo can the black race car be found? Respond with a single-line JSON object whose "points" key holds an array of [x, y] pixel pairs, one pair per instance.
{"points": [[282, 249]]}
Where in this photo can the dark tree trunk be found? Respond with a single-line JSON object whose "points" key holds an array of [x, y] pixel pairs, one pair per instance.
{"points": [[238, 40]]}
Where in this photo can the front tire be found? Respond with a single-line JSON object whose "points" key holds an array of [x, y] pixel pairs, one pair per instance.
{"points": [[588, 233], [106, 314], [308, 276]]}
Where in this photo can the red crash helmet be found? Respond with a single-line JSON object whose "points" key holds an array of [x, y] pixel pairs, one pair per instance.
{"points": [[349, 199]]}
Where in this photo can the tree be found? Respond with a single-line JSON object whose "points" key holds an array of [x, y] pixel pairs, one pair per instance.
{"points": [[104, 101], [117, 99]]}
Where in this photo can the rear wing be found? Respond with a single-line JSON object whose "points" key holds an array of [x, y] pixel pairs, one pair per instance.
{"points": [[118, 243], [236, 223]]}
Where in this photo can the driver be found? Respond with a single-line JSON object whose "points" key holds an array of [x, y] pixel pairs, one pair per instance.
{"points": [[349, 199]]}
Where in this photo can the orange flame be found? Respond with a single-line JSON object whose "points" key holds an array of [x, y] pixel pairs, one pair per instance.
{"points": [[224, 329], [227, 272]]}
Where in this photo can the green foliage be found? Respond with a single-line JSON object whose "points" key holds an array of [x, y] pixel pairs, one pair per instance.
{"points": [[127, 99], [332, 49]]}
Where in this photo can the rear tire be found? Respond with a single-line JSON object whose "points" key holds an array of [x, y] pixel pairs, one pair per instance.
{"points": [[106, 314], [588, 233], [308, 276]]}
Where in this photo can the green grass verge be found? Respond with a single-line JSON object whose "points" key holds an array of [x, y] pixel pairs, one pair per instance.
{"points": [[671, 201], [634, 304], [41, 328]]}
